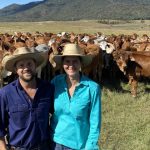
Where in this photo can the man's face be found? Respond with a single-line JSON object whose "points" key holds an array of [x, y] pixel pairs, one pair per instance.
{"points": [[26, 69]]}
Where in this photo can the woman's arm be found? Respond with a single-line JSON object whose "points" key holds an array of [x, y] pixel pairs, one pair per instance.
{"points": [[95, 120]]}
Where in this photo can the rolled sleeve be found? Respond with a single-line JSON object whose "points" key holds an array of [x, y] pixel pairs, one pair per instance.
{"points": [[95, 121]]}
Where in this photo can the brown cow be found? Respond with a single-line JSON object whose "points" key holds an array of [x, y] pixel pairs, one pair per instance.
{"points": [[133, 65], [94, 70], [54, 51]]}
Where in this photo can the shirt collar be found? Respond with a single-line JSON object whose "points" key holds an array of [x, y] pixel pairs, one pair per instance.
{"points": [[84, 80], [17, 83]]}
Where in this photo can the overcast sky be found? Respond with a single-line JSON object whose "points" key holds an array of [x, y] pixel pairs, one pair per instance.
{"points": [[4, 3]]}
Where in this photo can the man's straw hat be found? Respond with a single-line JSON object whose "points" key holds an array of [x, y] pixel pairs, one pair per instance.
{"points": [[21, 53], [73, 50]]}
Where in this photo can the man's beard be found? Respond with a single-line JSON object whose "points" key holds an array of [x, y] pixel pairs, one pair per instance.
{"points": [[32, 76]]}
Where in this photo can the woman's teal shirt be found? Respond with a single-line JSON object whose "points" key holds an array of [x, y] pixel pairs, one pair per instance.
{"points": [[76, 120]]}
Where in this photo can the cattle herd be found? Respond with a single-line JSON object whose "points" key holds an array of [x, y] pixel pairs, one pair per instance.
{"points": [[127, 55]]}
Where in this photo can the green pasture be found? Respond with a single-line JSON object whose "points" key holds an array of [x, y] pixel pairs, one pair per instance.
{"points": [[112, 27], [125, 120]]}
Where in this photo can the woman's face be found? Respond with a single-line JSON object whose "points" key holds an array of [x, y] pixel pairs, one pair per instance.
{"points": [[72, 65]]}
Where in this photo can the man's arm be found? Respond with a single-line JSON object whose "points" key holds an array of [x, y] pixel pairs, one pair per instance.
{"points": [[2, 123], [2, 144]]}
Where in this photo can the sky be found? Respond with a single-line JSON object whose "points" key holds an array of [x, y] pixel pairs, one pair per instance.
{"points": [[4, 3]]}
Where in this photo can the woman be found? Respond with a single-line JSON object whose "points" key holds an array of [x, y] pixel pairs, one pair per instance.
{"points": [[75, 123]]}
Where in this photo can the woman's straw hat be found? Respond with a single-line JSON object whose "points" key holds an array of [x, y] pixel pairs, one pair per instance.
{"points": [[21, 53], [73, 50]]}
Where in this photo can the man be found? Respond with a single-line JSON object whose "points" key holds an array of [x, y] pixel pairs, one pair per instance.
{"points": [[25, 103]]}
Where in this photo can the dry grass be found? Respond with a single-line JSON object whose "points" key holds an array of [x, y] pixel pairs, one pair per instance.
{"points": [[124, 27]]}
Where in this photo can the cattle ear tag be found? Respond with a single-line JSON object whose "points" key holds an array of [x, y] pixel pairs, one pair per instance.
{"points": [[132, 58]]}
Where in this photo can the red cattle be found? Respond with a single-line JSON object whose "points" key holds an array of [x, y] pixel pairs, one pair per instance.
{"points": [[133, 65], [94, 70]]}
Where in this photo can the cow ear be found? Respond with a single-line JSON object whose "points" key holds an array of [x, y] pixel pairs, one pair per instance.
{"points": [[132, 58]]}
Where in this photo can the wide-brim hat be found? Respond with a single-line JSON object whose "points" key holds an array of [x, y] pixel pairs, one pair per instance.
{"points": [[9, 61], [73, 50]]}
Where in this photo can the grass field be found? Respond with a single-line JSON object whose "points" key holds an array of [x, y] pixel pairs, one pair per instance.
{"points": [[125, 120], [125, 27]]}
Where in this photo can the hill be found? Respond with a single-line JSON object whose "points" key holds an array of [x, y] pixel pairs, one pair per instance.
{"points": [[77, 10]]}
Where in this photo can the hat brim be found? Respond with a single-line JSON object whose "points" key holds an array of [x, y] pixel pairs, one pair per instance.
{"points": [[86, 59], [9, 61]]}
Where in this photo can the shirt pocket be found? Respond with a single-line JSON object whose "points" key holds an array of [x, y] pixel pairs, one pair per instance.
{"points": [[80, 108], [43, 109], [19, 115]]}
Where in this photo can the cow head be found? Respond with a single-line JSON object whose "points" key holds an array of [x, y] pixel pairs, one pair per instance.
{"points": [[121, 59]]}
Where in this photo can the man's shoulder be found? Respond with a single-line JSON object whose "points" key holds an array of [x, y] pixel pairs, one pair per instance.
{"points": [[7, 88], [44, 83]]}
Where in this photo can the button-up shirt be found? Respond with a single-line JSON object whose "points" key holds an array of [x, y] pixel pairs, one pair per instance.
{"points": [[26, 120], [76, 120]]}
